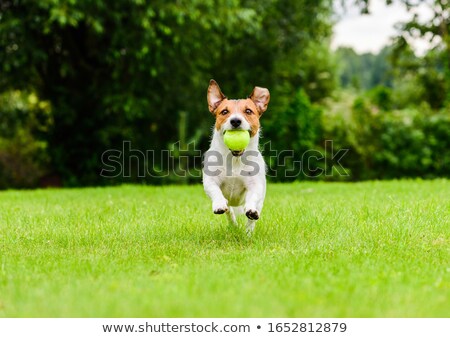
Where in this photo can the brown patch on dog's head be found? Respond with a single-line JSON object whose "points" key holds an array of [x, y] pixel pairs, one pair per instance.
{"points": [[250, 109]]}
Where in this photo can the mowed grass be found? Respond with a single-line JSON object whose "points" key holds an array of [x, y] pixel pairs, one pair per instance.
{"points": [[374, 249]]}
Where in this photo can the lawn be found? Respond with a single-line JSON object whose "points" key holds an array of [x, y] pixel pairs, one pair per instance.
{"points": [[373, 249]]}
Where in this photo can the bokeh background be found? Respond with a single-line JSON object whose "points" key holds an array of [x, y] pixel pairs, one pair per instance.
{"points": [[78, 77]]}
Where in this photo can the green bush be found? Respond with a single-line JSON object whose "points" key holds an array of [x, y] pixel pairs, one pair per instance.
{"points": [[294, 132], [381, 96], [23, 161], [387, 144], [414, 144], [23, 154]]}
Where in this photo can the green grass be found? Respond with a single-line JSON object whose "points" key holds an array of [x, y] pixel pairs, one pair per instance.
{"points": [[374, 249]]}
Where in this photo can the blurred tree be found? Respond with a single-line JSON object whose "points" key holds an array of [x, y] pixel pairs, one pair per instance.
{"points": [[124, 70], [364, 71], [419, 79], [436, 31]]}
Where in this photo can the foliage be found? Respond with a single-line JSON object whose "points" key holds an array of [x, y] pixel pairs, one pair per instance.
{"points": [[399, 127], [102, 74], [435, 30], [23, 161], [413, 79], [365, 71], [23, 152], [420, 79], [387, 143], [382, 97], [415, 144], [126, 70], [298, 131]]}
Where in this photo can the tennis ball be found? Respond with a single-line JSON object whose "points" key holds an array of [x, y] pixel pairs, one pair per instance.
{"points": [[236, 140]]}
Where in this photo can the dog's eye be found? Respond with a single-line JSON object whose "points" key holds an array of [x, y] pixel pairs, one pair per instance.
{"points": [[248, 111], [224, 112]]}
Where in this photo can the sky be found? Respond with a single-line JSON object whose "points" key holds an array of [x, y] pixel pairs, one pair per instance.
{"points": [[370, 33]]}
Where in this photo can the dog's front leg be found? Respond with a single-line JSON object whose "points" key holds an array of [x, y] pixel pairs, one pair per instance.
{"points": [[254, 201], [212, 189]]}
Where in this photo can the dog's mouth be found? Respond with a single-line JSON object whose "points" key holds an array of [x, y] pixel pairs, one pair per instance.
{"points": [[233, 129], [236, 153]]}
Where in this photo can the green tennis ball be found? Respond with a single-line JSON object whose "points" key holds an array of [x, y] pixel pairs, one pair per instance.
{"points": [[236, 140]]}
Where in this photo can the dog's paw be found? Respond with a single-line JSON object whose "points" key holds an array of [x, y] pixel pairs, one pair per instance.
{"points": [[252, 214], [220, 208], [220, 211]]}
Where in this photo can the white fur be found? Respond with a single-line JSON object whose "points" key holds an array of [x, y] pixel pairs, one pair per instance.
{"points": [[228, 183]]}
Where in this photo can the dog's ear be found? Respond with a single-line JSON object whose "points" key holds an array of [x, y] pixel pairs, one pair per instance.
{"points": [[214, 96], [261, 97]]}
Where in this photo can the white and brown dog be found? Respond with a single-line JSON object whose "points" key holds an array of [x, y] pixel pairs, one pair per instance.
{"points": [[236, 181]]}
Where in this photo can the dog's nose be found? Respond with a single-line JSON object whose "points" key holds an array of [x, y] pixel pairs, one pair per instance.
{"points": [[235, 122]]}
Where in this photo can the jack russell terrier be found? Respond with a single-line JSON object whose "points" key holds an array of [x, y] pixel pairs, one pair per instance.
{"points": [[236, 180]]}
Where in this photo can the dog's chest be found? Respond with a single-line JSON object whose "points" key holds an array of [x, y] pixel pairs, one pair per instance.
{"points": [[234, 190], [234, 181]]}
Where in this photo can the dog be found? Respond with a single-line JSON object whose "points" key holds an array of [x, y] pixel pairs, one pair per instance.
{"points": [[235, 181]]}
